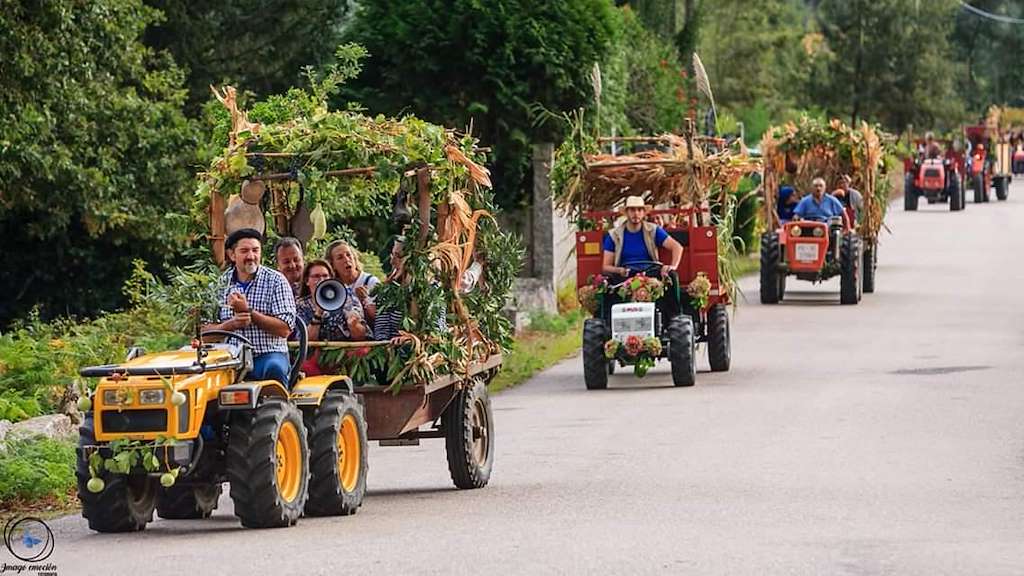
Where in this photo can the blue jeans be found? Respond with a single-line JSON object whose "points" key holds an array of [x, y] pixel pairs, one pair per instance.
{"points": [[270, 366]]}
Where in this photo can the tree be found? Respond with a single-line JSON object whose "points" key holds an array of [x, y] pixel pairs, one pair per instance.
{"points": [[258, 45], [94, 153], [990, 51], [462, 62], [754, 57], [892, 61]]}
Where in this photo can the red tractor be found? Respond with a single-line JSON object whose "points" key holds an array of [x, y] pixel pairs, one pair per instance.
{"points": [[813, 251], [989, 164], [935, 176], [675, 320]]}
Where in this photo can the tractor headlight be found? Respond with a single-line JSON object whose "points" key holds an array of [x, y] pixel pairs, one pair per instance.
{"points": [[152, 396], [819, 232], [794, 231], [116, 397]]}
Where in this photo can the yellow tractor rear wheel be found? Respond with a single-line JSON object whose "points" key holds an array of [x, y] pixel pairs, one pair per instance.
{"points": [[268, 464], [338, 456]]}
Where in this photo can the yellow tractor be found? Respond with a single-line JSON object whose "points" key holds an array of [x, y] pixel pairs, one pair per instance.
{"points": [[163, 431]]}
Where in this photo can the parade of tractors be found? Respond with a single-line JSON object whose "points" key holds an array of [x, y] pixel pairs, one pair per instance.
{"points": [[653, 218]]}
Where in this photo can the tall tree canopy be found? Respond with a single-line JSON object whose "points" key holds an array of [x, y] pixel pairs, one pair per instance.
{"points": [[458, 62], [990, 51], [258, 45], [891, 61], [94, 153]]}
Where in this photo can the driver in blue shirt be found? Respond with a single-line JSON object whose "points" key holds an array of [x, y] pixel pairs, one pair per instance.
{"points": [[637, 241], [819, 206]]}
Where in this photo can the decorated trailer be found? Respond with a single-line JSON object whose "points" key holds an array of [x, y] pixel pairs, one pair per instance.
{"points": [[163, 431], [795, 154]]}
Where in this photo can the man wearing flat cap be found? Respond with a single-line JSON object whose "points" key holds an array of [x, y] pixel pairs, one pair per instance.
{"points": [[257, 303], [637, 240]]}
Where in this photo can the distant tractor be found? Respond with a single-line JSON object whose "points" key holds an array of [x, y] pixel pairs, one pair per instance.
{"points": [[936, 177], [989, 164]]}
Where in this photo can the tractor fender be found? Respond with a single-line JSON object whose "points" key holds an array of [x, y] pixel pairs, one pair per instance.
{"points": [[246, 395], [310, 391]]}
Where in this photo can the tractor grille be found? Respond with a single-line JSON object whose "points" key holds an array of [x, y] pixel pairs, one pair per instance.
{"points": [[134, 421], [932, 173]]}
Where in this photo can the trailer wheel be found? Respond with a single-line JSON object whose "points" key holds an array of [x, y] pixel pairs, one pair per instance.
{"points": [[268, 465], [771, 278], [956, 199], [338, 460], [1002, 188], [469, 436], [125, 504], [189, 501], [719, 340], [595, 365], [682, 351], [868, 267], [849, 266]]}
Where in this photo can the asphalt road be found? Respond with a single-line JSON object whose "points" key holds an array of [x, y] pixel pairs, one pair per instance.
{"points": [[885, 438]]}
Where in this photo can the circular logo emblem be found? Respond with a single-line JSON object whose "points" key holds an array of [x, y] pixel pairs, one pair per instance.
{"points": [[29, 539]]}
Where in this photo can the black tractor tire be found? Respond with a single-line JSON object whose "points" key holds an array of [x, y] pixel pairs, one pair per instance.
{"points": [[909, 194], [469, 436], [956, 198], [188, 502], [868, 267], [719, 339], [125, 504], [979, 189], [1002, 188], [611, 367], [849, 267], [682, 350], [595, 365], [253, 461], [337, 478], [771, 278]]}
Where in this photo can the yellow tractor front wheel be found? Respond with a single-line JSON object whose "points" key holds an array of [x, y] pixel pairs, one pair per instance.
{"points": [[268, 464], [338, 448]]}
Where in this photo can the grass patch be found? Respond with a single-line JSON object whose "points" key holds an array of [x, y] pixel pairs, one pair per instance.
{"points": [[551, 338], [745, 265], [37, 474]]}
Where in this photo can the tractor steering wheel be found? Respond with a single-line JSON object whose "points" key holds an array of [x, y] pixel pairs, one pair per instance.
{"points": [[645, 266], [226, 333]]}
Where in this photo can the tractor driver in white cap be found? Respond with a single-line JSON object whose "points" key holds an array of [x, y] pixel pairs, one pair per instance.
{"points": [[637, 240]]}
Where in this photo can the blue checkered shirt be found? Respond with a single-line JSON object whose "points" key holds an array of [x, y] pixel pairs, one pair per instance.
{"points": [[269, 293]]}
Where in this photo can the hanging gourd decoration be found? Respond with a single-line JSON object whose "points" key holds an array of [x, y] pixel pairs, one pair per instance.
{"points": [[319, 219], [301, 225]]}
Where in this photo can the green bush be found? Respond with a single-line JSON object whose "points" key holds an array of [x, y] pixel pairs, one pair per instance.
{"points": [[37, 468], [555, 323]]}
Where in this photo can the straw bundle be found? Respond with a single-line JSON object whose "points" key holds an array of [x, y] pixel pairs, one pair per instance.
{"points": [[679, 176]]}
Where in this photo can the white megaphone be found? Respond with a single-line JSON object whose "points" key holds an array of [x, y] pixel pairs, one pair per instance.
{"points": [[330, 295]]}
